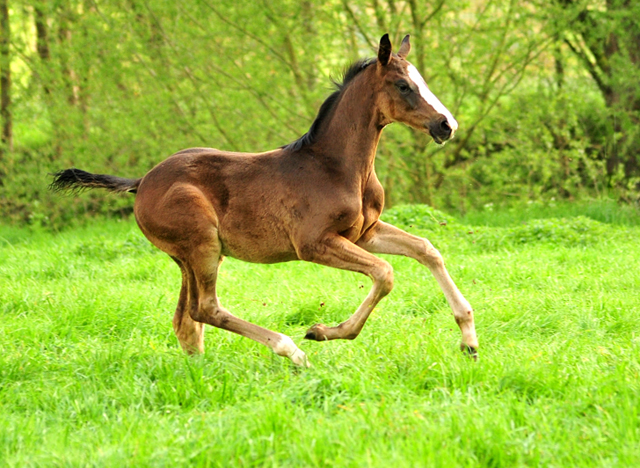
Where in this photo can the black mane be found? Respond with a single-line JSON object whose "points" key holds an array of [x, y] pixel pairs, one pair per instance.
{"points": [[329, 104]]}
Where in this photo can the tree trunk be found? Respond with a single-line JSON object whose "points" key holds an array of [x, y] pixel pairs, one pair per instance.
{"points": [[42, 40], [65, 19], [5, 78]]}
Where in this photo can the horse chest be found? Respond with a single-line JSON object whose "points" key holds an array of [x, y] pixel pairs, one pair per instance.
{"points": [[367, 214]]}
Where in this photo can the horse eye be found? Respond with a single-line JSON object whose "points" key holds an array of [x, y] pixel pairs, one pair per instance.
{"points": [[403, 87]]}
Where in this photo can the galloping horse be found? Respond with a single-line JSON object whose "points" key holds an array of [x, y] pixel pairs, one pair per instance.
{"points": [[317, 199]]}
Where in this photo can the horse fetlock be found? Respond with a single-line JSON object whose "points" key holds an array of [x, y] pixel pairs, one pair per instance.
{"points": [[285, 347], [316, 333], [464, 317], [352, 335]]}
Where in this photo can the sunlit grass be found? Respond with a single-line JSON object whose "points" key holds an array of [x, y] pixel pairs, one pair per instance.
{"points": [[91, 373]]}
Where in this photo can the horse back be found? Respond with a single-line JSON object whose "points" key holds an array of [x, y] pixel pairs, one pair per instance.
{"points": [[262, 206]]}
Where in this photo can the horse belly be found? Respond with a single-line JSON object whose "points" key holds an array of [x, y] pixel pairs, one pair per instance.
{"points": [[258, 241]]}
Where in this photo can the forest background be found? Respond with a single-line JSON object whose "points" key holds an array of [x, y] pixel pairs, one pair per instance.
{"points": [[547, 93]]}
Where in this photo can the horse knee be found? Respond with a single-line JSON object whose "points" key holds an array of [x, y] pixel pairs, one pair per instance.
{"points": [[431, 256], [385, 279]]}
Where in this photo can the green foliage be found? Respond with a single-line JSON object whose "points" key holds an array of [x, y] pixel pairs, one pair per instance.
{"points": [[118, 87], [91, 373]]}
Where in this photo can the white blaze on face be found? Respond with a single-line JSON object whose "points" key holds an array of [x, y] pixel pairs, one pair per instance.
{"points": [[430, 98]]}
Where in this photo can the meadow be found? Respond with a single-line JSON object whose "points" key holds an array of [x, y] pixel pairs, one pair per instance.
{"points": [[92, 375]]}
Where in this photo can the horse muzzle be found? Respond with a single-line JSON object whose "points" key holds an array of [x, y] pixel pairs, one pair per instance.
{"points": [[441, 130]]}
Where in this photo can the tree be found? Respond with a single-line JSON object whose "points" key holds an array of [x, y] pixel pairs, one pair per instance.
{"points": [[605, 37], [5, 78]]}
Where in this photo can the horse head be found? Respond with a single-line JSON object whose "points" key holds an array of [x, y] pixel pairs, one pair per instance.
{"points": [[405, 96]]}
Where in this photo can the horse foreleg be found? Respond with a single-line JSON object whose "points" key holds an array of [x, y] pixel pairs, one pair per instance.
{"points": [[338, 252], [388, 239]]}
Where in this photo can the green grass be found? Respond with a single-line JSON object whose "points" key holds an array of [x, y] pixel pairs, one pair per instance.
{"points": [[92, 375], [603, 210]]}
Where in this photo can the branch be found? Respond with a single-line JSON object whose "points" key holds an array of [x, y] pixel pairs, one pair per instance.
{"points": [[433, 13], [243, 86], [175, 103], [362, 31], [505, 89], [379, 16], [247, 33], [591, 67], [171, 92], [246, 87], [295, 68], [602, 59], [473, 30], [496, 57], [396, 15]]}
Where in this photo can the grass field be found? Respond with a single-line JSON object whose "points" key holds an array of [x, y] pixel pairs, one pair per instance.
{"points": [[92, 375]]}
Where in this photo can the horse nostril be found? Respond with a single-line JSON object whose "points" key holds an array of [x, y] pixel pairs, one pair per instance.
{"points": [[440, 129]]}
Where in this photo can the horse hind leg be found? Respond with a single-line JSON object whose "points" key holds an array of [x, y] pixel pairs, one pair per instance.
{"points": [[204, 306], [184, 225], [190, 333]]}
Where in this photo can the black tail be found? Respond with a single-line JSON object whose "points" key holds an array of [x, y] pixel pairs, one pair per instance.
{"points": [[76, 180]]}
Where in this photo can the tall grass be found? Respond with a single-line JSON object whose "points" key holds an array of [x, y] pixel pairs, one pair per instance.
{"points": [[91, 374]]}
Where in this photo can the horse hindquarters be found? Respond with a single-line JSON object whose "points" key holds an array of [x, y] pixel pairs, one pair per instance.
{"points": [[183, 223]]}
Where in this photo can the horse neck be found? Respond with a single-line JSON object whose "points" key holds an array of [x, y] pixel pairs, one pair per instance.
{"points": [[349, 139]]}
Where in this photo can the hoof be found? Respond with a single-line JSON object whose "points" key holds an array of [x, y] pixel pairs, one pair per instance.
{"points": [[316, 333], [469, 351]]}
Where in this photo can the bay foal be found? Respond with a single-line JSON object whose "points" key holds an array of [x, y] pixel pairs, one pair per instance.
{"points": [[317, 199]]}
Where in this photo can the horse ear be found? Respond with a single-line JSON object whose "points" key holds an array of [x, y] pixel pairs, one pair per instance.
{"points": [[384, 51], [405, 47]]}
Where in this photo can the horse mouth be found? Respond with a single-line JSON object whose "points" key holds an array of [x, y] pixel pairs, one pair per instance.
{"points": [[437, 140], [440, 130]]}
